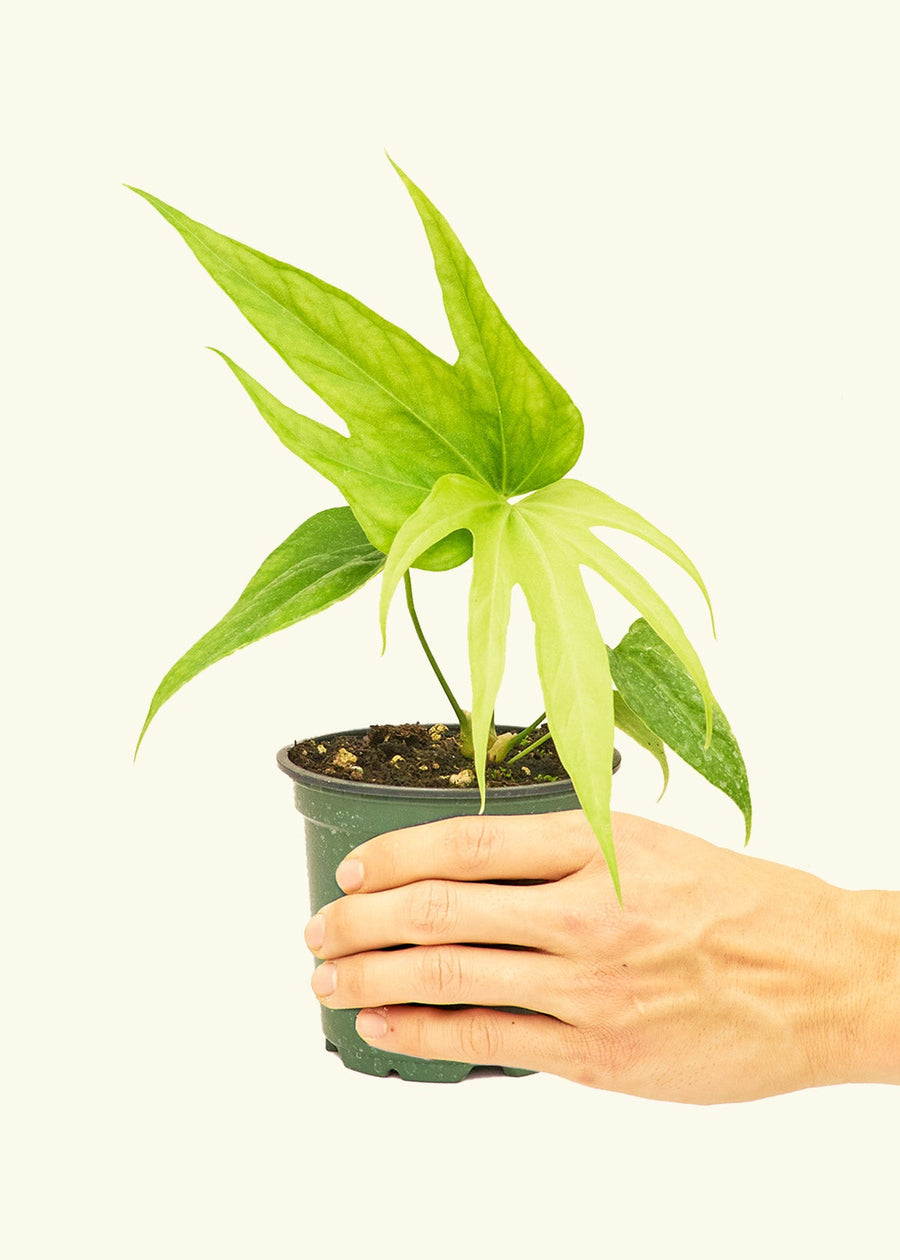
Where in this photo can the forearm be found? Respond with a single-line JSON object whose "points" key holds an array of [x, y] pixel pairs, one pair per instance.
{"points": [[872, 1031]]}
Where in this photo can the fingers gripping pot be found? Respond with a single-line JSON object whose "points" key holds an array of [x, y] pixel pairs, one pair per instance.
{"points": [[338, 816]]}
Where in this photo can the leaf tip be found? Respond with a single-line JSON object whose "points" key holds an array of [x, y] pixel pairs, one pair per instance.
{"points": [[712, 615], [142, 192], [140, 740], [226, 359], [384, 606], [395, 166], [607, 848]]}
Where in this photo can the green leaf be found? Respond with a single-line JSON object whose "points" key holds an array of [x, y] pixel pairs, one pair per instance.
{"points": [[326, 559], [495, 416], [658, 689], [535, 426], [461, 503], [382, 490], [572, 508], [630, 724], [540, 543], [376, 377], [573, 669], [513, 547], [577, 501], [454, 503]]}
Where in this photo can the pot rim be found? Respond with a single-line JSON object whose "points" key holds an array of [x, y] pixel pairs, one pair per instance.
{"points": [[310, 779]]}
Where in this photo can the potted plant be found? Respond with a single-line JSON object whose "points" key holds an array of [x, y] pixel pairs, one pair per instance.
{"points": [[446, 463]]}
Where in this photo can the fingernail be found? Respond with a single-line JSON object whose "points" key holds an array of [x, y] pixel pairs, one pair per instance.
{"points": [[349, 875], [315, 931], [371, 1024], [324, 979]]}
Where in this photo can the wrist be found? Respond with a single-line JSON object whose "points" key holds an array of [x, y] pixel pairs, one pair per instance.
{"points": [[871, 1027]]}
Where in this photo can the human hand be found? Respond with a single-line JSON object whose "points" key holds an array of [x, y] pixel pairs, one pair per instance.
{"points": [[723, 978]]}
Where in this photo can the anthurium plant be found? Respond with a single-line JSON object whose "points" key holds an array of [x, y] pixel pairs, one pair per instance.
{"points": [[449, 462]]}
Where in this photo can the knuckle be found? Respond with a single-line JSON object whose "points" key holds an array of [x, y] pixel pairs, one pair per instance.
{"points": [[441, 973], [579, 837], [613, 1049], [480, 1037], [593, 926], [416, 1037], [600, 1056], [474, 843], [432, 908], [581, 928], [617, 1048], [580, 1066], [424, 1034]]}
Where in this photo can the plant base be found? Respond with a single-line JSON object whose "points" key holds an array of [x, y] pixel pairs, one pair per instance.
{"points": [[338, 816]]}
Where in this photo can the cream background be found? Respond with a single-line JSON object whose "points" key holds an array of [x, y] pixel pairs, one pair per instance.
{"points": [[689, 211]]}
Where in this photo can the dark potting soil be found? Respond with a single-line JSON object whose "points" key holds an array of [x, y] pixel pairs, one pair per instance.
{"points": [[413, 755]]}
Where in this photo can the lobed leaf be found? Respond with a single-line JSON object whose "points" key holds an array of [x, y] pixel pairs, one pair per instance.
{"points": [[383, 383], [571, 508], [573, 669], [576, 500], [382, 489], [536, 430], [540, 544], [326, 559], [495, 416], [658, 689], [453, 503]]}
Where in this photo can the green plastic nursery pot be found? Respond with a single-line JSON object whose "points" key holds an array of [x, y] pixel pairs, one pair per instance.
{"points": [[339, 815]]}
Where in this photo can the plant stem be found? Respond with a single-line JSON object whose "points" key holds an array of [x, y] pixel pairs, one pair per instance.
{"points": [[520, 735], [531, 747], [407, 581]]}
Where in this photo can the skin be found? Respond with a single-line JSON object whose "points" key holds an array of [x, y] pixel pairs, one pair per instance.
{"points": [[723, 978]]}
